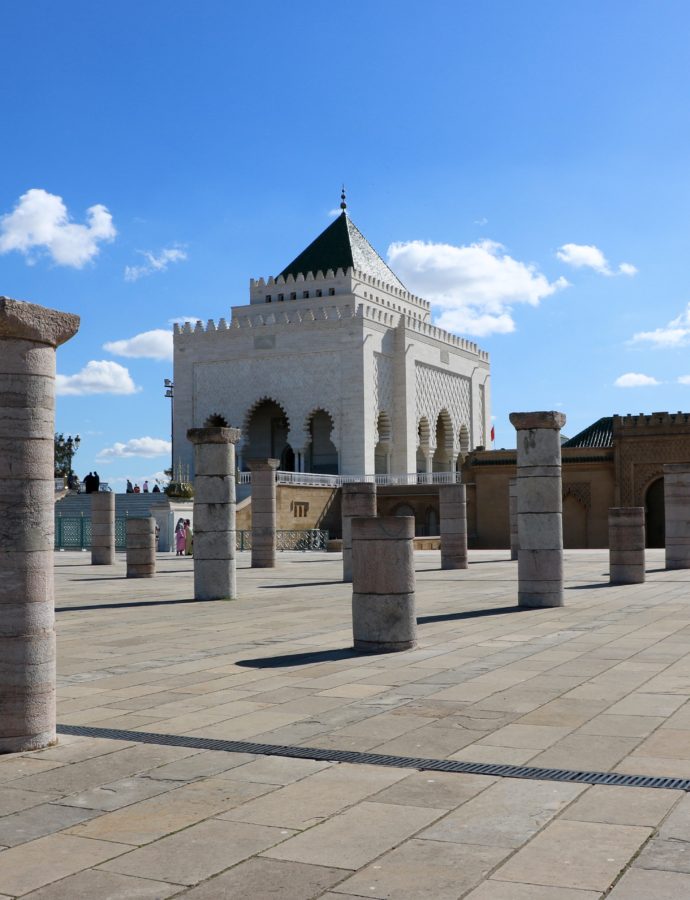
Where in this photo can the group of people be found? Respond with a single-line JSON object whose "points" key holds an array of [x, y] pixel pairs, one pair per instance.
{"points": [[92, 483], [135, 489], [184, 538]]}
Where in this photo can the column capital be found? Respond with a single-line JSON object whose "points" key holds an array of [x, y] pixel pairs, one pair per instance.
{"points": [[256, 465], [214, 435], [541, 419], [24, 321]]}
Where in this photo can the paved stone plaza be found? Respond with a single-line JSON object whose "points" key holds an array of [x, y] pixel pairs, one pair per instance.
{"points": [[600, 684]]}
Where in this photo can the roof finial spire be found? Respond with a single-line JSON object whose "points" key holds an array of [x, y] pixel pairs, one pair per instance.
{"points": [[343, 204]]}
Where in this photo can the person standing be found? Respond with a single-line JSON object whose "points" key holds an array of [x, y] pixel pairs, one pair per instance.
{"points": [[189, 538], [180, 538], [146, 487], [130, 489]]}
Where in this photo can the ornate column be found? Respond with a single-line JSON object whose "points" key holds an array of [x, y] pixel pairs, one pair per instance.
{"points": [[677, 515], [102, 528], [539, 508], [358, 499], [383, 584], [214, 512], [626, 545], [29, 335], [263, 512], [453, 514]]}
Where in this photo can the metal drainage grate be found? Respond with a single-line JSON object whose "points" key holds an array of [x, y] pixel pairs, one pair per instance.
{"points": [[379, 759]]}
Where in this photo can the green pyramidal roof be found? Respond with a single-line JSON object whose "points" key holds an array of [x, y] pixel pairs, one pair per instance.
{"points": [[341, 246]]}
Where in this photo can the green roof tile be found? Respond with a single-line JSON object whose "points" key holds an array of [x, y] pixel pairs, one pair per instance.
{"points": [[341, 246], [599, 434]]}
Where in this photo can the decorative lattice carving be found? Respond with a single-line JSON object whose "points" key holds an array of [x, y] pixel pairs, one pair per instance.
{"points": [[383, 384], [580, 490], [437, 390], [640, 461]]}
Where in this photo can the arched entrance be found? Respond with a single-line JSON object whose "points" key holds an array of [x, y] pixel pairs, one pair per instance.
{"points": [[321, 455], [266, 430], [655, 512]]}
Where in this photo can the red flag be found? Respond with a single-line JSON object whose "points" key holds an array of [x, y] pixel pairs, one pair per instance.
{"points": [[493, 434]]}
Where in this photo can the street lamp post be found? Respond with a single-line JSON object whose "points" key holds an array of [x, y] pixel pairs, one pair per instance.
{"points": [[72, 447]]}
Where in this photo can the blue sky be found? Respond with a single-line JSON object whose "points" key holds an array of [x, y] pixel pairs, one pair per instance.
{"points": [[510, 157]]}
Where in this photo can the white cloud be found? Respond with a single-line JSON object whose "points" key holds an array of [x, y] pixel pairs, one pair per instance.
{"points": [[474, 286], [684, 379], [97, 377], [675, 334], [635, 379], [155, 263], [155, 344], [40, 222], [144, 446], [588, 256]]}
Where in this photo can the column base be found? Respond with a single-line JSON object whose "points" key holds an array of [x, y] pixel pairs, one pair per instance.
{"points": [[540, 601], [377, 647], [24, 743]]}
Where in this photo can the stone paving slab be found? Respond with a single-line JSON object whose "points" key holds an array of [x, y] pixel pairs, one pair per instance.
{"points": [[603, 682]]}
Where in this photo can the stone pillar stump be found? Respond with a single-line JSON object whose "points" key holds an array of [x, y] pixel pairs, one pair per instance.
{"points": [[383, 584], [358, 499], [102, 528], [141, 547], [453, 515], [677, 515], [626, 545], [512, 511], [214, 512], [539, 508], [29, 335], [263, 512]]}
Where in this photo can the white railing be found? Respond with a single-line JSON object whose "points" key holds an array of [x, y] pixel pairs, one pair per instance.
{"points": [[315, 479]]}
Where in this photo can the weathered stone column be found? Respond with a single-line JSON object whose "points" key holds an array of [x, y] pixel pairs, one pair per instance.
{"points": [[102, 528], [29, 335], [214, 512], [141, 547], [383, 584], [453, 513], [263, 512], [626, 545], [358, 499], [512, 511], [540, 508], [677, 515]]}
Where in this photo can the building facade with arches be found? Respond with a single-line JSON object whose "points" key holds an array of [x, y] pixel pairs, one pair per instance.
{"points": [[334, 367], [616, 461]]}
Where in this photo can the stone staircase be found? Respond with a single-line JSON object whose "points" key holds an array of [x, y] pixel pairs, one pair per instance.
{"points": [[125, 504]]}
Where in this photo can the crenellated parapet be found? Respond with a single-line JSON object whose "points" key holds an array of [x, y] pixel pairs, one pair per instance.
{"points": [[307, 286], [445, 337], [655, 420], [249, 317]]}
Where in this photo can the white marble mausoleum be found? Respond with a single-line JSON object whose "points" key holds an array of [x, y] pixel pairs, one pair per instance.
{"points": [[334, 367]]}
